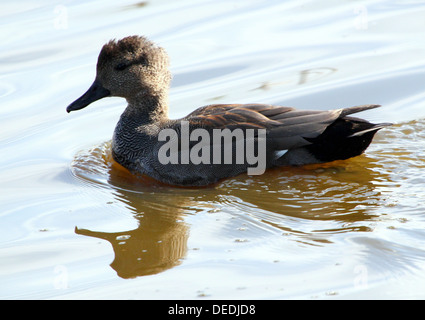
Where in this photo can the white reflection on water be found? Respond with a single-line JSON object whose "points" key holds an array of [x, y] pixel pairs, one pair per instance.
{"points": [[351, 229]]}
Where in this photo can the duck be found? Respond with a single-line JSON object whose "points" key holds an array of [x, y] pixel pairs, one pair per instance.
{"points": [[214, 142]]}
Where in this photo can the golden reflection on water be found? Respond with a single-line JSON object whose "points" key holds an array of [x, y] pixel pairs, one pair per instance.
{"points": [[325, 200], [157, 244]]}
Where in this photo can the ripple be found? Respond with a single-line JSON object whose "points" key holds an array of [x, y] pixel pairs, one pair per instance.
{"points": [[96, 166], [6, 89]]}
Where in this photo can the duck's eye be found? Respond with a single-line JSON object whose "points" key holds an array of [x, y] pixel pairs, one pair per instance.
{"points": [[142, 60], [121, 66]]}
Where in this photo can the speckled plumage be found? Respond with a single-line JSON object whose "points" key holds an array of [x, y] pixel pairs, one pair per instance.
{"points": [[136, 69]]}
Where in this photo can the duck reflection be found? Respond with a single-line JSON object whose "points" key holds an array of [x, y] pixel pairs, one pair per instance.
{"points": [[160, 240], [156, 245], [311, 204], [345, 191]]}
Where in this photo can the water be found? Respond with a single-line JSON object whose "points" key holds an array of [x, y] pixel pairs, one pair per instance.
{"points": [[74, 224]]}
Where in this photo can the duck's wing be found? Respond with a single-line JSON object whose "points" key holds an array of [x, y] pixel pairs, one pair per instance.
{"points": [[232, 116], [286, 127]]}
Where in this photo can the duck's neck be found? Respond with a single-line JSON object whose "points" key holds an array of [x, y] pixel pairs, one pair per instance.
{"points": [[148, 108], [132, 130]]}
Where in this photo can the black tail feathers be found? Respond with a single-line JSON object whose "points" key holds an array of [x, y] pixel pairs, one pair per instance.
{"points": [[345, 138]]}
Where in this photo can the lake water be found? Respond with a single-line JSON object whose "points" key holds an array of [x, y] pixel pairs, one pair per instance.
{"points": [[74, 224]]}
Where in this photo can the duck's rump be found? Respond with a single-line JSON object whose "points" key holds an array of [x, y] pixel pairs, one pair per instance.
{"points": [[345, 138], [322, 136]]}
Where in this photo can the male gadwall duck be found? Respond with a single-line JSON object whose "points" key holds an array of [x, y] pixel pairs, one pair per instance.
{"points": [[216, 141]]}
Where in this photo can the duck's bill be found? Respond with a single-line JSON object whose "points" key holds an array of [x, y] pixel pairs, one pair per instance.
{"points": [[95, 92]]}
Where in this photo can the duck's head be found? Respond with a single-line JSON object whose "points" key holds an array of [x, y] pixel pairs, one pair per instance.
{"points": [[131, 68]]}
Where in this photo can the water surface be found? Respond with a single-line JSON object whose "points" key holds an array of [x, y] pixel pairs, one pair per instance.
{"points": [[74, 224]]}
